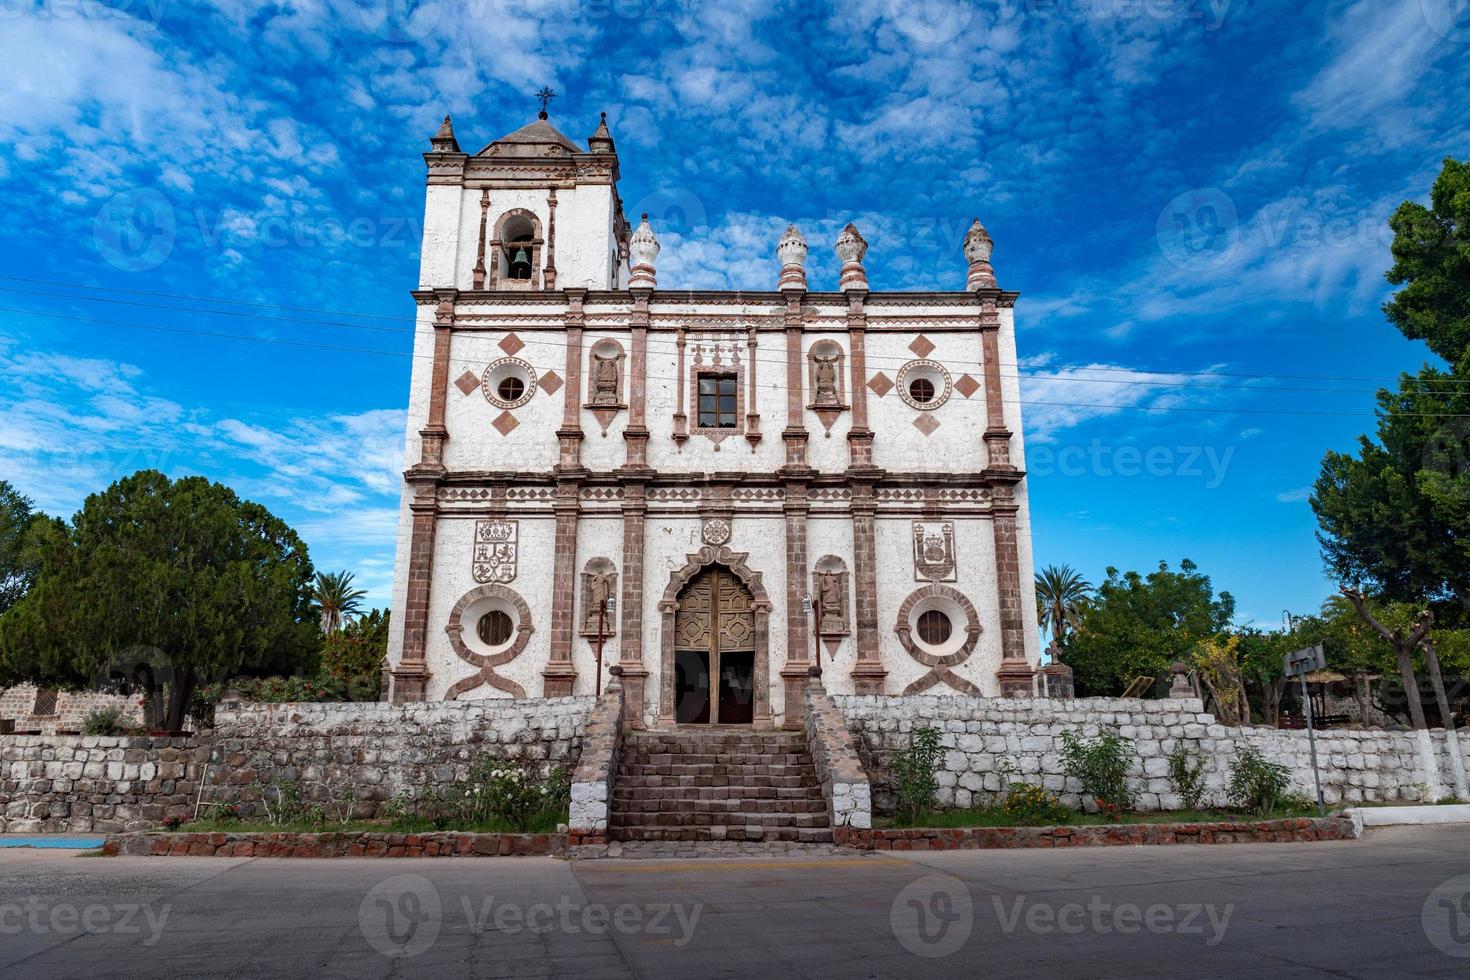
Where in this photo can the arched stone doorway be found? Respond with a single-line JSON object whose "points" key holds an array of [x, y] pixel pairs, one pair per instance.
{"points": [[714, 643]]}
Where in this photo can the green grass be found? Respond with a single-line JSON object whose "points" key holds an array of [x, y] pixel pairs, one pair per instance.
{"points": [[542, 823], [996, 817]]}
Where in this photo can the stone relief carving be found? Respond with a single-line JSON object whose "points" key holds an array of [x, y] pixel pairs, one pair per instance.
{"points": [[934, 552], [495, 551], [716, 531]]}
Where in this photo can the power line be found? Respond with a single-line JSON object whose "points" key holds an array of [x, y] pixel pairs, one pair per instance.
{"points": [[465, 361]]}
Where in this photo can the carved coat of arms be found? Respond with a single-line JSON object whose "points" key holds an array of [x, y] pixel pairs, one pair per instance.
{"points": [[934, 557], [495, 551]]}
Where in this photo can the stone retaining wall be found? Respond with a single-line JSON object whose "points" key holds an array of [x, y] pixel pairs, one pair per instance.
{"points": [[1296, 830], [983, 737], [834, 753], [348, 844], [79, 783], [87, 783], [18, 704], [592, 781]]}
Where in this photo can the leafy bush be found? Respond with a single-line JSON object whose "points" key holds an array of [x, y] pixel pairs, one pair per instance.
{"points": [[1188, 776], [1257, 786], [105, 721], [354, 655], [495, 793], [1031, 806], [284, 806], [914, 783], [1102, 767]]}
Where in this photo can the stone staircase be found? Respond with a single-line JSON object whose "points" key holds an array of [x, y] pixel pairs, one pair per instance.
{"points": [[717, 784]]}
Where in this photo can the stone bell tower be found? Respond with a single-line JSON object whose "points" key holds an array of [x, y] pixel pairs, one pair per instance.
{"points": [[531, 211]]}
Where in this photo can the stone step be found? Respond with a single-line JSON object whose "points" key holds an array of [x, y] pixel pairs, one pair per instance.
{"points": [[710, 769], [798, 781], [805, 835], [695, 794], [637, 818], [719, 807], [681, 743], [716, 758]]}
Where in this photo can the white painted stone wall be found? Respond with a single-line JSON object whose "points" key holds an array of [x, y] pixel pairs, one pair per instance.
{"points": [[72, 709], [980, 735]]}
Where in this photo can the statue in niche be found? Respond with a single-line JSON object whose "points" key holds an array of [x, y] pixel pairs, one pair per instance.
{"points": [[829, 589], [826, 372], [605, 380], [599, 590]]}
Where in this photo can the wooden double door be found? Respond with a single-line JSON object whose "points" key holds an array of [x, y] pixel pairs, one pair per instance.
{"points": [[714, 651]]}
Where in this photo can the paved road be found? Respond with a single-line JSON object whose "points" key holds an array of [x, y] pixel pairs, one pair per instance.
{"points": [[1351, 909]]}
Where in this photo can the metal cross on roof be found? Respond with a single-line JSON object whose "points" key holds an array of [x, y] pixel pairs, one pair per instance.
{"points": [[545, 96]]}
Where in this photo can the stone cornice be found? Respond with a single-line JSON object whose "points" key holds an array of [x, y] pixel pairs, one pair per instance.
{"points": [[661, 299]]}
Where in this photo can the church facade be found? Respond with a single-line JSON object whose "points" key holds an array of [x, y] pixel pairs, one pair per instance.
{"points": [[712, 490]]}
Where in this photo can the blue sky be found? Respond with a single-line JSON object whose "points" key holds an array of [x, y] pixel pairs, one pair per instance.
{"points": [[1189, 194]]}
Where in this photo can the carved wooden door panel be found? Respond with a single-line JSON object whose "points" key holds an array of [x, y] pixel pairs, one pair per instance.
{"points": [[714, 631]]}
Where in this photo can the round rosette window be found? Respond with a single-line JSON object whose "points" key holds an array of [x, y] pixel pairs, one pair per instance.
{"points": [[489, 625], [509, 382], [938, 625], [924, 384]]}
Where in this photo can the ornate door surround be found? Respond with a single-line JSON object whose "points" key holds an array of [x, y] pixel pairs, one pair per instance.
{"points": [[733, 563]]}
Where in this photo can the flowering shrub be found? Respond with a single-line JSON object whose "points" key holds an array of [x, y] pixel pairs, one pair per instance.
{"points": [[495, 792], [1032, 806], [1101, 766]]}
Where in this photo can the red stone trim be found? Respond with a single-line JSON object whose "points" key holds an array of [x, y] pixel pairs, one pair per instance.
{"points": [[939, 664], [334, 845], [487, 664], [1297, 830]]}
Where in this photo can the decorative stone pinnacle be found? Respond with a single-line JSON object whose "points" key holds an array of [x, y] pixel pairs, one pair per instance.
{"points": [[851, 248], [601, 140], [643, 248], [443, 139], [792, 251], [978, 247]]}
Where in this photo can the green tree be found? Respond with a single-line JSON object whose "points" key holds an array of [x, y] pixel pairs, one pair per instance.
{"points": [[1395, 516], [211, 583], [16, 571], [335, 600], [1431, 260], [354, 654], [1062, 595], [1139, 625]]}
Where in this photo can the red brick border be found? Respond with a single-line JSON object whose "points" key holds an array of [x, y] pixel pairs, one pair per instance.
{"points": [[1295, 830], [333, 845]]}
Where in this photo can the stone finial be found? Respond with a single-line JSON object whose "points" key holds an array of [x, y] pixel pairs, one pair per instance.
{"points": [[977, 250], [1181, 687], [851, 247], [443, 140], [643, 248], [792, 251], [601, 141]]}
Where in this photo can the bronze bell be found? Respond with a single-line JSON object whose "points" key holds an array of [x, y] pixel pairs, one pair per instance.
{"points": [[520, 264]]}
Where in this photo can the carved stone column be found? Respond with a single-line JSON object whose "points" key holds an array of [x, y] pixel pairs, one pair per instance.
{"points": [[1015, 674], [411, 676], [867, 672], [796, 476], [630, 611]]}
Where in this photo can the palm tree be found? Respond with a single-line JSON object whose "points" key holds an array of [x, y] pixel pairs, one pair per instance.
{"points": [[335, 600], [1062, 597]]}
